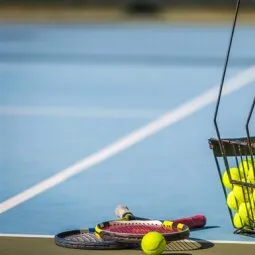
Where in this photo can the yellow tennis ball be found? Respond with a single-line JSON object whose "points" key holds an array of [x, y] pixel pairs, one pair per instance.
{"points": [[234, 173], [243, 213], [238, 223], [153, 243], [242, 193], [251, 178], [232, 202], [239, 193], [246, 212], [251, 172], [244, 166], [248, 180], [248, 168]]}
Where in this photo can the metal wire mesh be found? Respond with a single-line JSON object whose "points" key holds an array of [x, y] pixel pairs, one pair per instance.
{"points": [[236, 163]]}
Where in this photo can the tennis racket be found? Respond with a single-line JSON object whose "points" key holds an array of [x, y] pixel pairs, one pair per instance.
{"points": [[86, 239], [133, 231], [195, 221]]}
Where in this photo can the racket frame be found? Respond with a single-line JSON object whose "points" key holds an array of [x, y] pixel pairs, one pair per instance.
{"points": [[182, 231], [90, 241]]}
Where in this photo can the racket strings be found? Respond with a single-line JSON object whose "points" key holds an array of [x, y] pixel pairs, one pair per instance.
{"points": [[83, 237], [139, 229]]}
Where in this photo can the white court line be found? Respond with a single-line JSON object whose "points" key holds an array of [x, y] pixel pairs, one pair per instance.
{"points": [[26, 236], [78, 112], [52, 236], [235, 83]]}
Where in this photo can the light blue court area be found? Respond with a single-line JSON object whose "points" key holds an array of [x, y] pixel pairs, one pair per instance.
{"points": [[97, 93]]}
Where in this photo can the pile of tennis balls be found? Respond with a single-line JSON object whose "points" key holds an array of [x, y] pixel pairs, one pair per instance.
{"points": [[241, 199]]}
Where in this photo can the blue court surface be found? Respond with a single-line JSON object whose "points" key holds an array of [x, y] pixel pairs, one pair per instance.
{"points": [[122, 113]]}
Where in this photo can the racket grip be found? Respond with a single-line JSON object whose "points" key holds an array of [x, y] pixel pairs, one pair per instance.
{"points": [[196, 221]]}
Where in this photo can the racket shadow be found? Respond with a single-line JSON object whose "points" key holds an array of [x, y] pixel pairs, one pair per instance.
{"points": [[203, 228], [190, 244], [167, 253]]}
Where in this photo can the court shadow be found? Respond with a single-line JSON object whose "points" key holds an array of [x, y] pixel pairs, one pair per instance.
{"points": [[204, 228], [183, 247], [190, 244], [171, 253], [204, 243]]}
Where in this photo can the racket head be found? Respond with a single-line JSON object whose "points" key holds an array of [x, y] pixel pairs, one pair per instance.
{"points": [[133, 231], [87, 240]]}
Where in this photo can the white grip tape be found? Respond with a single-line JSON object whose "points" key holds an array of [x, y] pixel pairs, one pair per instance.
{"points": [[121, 210]]}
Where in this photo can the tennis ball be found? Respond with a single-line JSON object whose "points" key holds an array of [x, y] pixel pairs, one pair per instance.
{"points": [[234, 173], [244, 166], [251, 176], [238, 223], [251, 171], [153, 243], [242, 193], [232, 202], [246, 212]]}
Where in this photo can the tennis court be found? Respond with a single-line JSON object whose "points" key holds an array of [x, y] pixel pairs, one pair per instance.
{"points": [[126, 109]]}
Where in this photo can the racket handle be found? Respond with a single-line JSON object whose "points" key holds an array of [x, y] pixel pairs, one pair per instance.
{"points": [[195, 221], [121, 211]]}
